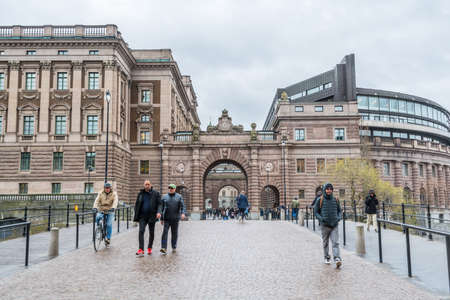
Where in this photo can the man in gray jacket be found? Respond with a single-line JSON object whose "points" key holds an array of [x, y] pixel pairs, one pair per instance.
{"points": [[172, 209], [328, 211]]}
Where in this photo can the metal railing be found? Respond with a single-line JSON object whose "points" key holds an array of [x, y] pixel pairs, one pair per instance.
{"points": [[27, 236]]}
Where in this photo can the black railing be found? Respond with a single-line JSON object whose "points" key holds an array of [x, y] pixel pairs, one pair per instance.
{"points": [[27, 236]]}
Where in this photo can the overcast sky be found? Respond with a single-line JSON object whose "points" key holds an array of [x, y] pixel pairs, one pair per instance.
{"points": [[239, 52]]}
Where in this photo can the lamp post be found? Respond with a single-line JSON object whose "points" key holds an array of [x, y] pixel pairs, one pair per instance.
{"points": [[108, 99], [267, 187], [283, 144], [161, 165]]}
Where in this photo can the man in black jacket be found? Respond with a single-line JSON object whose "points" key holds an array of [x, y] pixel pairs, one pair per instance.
{"points": [[371, 209], [147, 210], [173, 210]]}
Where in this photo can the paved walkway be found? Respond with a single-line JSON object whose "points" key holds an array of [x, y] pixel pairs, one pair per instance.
{"points": [[428, 258], [215, 260]]}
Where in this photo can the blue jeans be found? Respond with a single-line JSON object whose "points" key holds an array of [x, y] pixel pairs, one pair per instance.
{"points": [[109, 222]]}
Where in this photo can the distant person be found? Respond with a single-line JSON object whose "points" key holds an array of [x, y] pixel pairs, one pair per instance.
{"points": [[105, 203], [147, 210], [328, 211], [295, 205], [242, 203], [173, 210], [371, 203]]}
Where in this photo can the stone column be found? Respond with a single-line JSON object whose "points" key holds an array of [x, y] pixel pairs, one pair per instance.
{"points": [[109, 85], [430, 189], [415, 182], [77, 79], [447, 186], [398, 176], [254, 196], [11, 128], [197, 192], [441, 185], [44, 101]]}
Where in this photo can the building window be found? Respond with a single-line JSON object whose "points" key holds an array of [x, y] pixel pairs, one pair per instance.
{"points": [[433, 171], [92, 125], [145, 137], [301, 194], [320, 165], [421, 170], [386, 169], [373, 103], [298, 108], [318, 108], [88, 188], [30, 81], [23, 188], [339, 108], [300, 134], [2, 52], [25, 158], [62, 81], [63, 52], [58, 161], [341, 193], [2, 81], [90, 160], [28, 125], [384, 104], [144, 167], [405, 169], [363, 102], [93, 52], [145, 97], [93, 83], [60, 125], [31, 52], [339, 134], [145, 118], [1, 125], [56, 188], [301, 165]]}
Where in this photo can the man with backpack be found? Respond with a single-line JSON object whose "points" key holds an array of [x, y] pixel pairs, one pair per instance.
{"points": [[328, 211]]}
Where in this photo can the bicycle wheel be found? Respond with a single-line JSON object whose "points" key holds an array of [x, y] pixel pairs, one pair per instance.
{"points": [[98, 237]]}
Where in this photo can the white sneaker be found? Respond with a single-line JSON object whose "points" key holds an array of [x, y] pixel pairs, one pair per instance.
{"points": [[327, 260], [338, 262]]}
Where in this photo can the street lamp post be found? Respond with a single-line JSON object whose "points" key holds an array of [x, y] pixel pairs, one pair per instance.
{"points": [[267, 187], [108, 99], [161, 166], [283, 144]]}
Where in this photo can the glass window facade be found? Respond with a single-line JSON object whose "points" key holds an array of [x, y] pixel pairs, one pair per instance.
{"points": [[145, 118], [338, 108], [301, 194], [386, 169], [56, 188], [23, 188], [88, 188], [339, 134], [298, 108], [405, 170], [320, 165], [318, 108], [145, 97], [145, 137]]}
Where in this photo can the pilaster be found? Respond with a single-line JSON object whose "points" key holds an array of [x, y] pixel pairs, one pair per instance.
{"points": [[44, 101], [11, 128], [77, 79]]}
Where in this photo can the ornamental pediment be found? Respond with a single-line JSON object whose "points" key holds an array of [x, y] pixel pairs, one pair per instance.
{"points": [[92, 94], [61, 95], [29, 95], [225, 125]]}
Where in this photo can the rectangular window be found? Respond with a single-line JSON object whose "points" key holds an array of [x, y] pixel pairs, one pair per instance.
{"points": [[384, 104], [93, 83], [318, 108], [298, 108], [424, 111], [25, 159], [418, 109], [328, 85], [433, 171], [320, 165], [401, 135], [363, 102], [373, 103], [28, 125], [381, 133], [31, 52], [90, 160], [30, 81], [339, 108], [23, 188], [63, 52], [144, 167], [58, 161], [60, 125], [300, 134], [410, 107], [56, 188], [301, 165], [394, 105], [145, 118], [386, 169], [405, 169], [364, 132], [92, 125], [145, 97], [402, 106], [421, 170], [145, 137], [301, 194], [2, 52], [62, 81], [2, 81], [93, 52], [88, 188], [339, 134]]}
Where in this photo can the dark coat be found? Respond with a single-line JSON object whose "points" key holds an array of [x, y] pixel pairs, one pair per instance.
{"points": [[155, 205], [330, 213], [172, 207], [242, 201], [371, 203]]}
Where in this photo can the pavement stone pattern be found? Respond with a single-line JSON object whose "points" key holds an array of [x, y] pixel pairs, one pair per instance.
{"points": [[215, 260]]}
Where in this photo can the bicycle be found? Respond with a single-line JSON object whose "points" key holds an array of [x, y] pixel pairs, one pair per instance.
{"points": [[100, 231]]}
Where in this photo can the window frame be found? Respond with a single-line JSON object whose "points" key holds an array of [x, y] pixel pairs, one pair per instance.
{"points": [[25, 161], [93, 81], [144, 170], [299, 108], [2, 81], [91, 121], [30, 81], [339, 137], [317, 165], [60, 126], [318, 108], [62, 83], [89, 160], [28, 125], [298, 138], [299, 170], [339, 108], [56, 187], [58, 161], [23, 188]]}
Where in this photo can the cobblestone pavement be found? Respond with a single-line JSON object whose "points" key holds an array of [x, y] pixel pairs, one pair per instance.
{"points": [[215, 260]]}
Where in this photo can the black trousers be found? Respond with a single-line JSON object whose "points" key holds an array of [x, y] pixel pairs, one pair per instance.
{"points": [[143, 222], [174, 233]]}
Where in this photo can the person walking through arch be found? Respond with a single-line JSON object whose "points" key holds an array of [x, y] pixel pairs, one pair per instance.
{"points": [[242, 203]]}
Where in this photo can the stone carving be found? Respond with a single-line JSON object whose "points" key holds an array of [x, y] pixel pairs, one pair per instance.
{"points": [[77, 65], [109, 64], [3, 95], [14, 65], [61, 95], [225, 125], [29, 95], [180, 168], [195, 133], [253, 134], [284, 96], [165, 135], [92, 94], [268, 167], [46, 65]]}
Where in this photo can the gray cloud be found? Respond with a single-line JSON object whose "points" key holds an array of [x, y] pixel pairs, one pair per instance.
{"points": [[239, 52]]}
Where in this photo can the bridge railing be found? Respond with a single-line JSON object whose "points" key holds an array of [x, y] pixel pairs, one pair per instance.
{"points": [[26, 226]]}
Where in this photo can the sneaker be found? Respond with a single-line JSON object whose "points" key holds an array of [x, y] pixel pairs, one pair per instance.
{"points": [[338, 262], [107, 242], [327, 260], [140, 253], [163, 251], [174, 249], [149, 251]]}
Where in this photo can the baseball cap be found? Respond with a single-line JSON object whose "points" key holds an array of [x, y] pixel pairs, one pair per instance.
{"points": [[172, 186], [107, 184]]}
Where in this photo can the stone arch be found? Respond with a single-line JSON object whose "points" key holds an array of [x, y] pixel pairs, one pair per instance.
{"points": [[270, 196]]}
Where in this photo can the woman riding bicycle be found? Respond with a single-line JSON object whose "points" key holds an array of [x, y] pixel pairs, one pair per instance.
{"points": [[106, 200]]}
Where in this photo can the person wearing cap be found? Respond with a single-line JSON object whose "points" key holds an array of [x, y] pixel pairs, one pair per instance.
{"points": [[173, 210], [105, 203], [328, 211], [147, 210], [295, 205], [371, 203]]}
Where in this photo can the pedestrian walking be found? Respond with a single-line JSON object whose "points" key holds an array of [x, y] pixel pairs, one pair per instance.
{"points": [[371, 203], [147, 210], [173, 210], [295, 205], [328, 211], [242, 203]]}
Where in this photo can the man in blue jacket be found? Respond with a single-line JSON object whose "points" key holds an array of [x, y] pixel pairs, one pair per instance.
{"points": [[328, 211], [242, 204], [172, 210]]}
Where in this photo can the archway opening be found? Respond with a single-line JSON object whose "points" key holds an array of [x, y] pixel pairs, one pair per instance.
{"points": [[270, 197]]}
